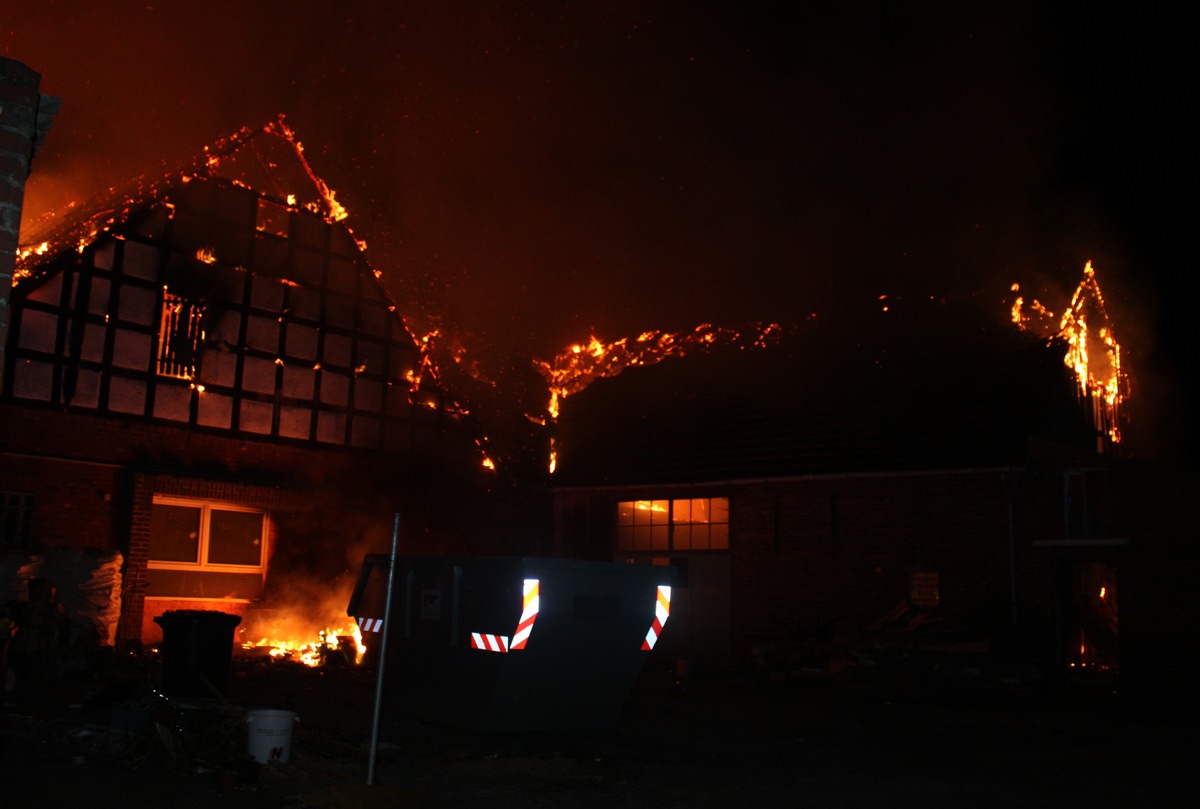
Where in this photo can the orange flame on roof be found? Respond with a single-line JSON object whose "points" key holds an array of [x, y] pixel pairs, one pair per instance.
{"points": [[1093, 354], [580, 364]]}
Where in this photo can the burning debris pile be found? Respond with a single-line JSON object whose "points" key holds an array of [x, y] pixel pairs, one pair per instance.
{"points": [[342, 643], [307, 624], [1093, 354]]}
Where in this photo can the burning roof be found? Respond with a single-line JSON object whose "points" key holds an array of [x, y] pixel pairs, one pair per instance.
{"points": [[252, 206], [580, 365], [269, 160], [921, 386], [1093, 354]]}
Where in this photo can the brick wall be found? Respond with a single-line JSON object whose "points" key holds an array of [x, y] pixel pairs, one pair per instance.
{"points": [[839, 553], [835, 554], [141, 613], [93, 480]]}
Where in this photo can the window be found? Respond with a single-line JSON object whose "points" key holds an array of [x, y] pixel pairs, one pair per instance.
{"points": [[206, 550], [179, 334], [693, 524], [16, 521]]}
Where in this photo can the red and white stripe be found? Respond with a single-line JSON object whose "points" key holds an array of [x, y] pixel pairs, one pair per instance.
{"points": [[499, 643], [370, 624], [662, 609], [528, 615], [489, 643]]}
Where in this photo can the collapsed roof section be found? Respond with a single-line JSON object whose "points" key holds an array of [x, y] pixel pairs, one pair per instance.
{"points": [[923, 387], [228, 295]]}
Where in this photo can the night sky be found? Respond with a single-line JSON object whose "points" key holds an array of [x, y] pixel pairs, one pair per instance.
{"points": [[525, 173]]}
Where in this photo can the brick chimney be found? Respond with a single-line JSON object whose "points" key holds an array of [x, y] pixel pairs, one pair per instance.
{"points": [[25, 115]]}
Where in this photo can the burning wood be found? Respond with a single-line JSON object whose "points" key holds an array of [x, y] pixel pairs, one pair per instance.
{"points": [[1093, 354], [580, 365], [213, 163], [316, 648]]}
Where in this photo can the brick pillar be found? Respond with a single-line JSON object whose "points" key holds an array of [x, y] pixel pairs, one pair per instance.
{"points": [[133, 602], [24, 116]]}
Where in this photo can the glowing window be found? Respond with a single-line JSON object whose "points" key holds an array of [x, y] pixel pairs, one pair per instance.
{"points": [[198, 533], [692, 524], [180, 332], [202, 549]]}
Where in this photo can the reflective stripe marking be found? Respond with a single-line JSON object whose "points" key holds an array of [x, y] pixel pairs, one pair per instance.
{"points": [[499, 643], [489, 643], [528, 614], [662, 609], [370, 624]]}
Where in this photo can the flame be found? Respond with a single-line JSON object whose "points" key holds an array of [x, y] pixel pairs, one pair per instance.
{"points": [[334, 210], [33, 250], [311, 652], [581, 364], [155, 189], [1093, 354], [650, 505]]}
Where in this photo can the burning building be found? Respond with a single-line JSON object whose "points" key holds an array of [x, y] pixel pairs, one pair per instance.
{"points": [[205, 376], [933, 478]]}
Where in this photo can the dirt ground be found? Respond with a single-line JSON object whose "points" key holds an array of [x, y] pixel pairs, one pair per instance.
{"points": [[939, 738]]}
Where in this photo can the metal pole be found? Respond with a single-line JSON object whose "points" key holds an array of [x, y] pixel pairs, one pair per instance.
{"points": [[383, 644]]}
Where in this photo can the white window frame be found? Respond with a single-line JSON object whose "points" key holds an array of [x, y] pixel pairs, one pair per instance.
{"points": [[206, 507]]}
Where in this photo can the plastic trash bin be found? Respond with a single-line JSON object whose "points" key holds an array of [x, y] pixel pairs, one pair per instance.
{"points": [[512, 643], [197, 648]]}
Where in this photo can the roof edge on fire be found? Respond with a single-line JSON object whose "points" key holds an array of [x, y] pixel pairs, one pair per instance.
{"points": [[83, 223], [931, 388], [267, 161]]}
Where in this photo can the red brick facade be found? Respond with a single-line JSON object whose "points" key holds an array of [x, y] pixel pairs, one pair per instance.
{"points": [[93, 480], [835, 555]]}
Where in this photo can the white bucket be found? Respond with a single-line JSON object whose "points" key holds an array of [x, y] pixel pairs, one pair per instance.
{"points": [[269, 735]]}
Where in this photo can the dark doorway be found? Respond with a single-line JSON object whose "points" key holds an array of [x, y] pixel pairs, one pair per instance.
{"points": [[1092, 630]]}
